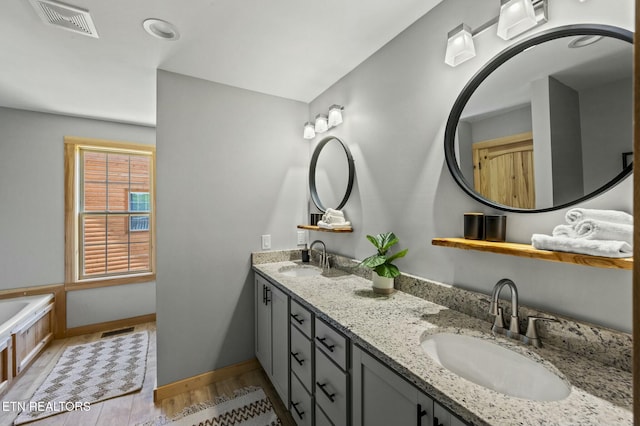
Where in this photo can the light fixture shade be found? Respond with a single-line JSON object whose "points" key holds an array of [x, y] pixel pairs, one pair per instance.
{"points": [[516, 17], [335, 115], [321, 123], [309, 131], [460, 46]]}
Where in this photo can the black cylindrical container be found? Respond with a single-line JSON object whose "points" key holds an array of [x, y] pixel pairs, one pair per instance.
{"points": [[474, 226], [315, 218], [495, 228]]}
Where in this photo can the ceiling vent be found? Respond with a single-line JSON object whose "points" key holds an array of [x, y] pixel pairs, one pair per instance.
{"points": [[64, 16]]}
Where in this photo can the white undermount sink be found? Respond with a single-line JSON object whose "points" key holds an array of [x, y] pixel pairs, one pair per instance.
{"points": [[495, 367], [300, 271]]}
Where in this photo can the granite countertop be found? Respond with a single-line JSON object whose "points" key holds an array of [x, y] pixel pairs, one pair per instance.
{"points": [[392, 328]]}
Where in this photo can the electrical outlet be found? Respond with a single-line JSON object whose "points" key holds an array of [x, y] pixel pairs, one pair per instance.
{"points": [[266, 242], [302, 237]]}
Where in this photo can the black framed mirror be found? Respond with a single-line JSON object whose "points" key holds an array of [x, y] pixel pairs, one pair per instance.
{"points": [[331, 174], [542, 125]]}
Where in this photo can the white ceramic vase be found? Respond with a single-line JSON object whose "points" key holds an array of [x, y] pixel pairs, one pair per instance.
{"points": [[381, 285]]}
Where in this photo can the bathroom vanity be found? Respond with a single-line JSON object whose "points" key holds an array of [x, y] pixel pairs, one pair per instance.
{"points": [[355, 358]]}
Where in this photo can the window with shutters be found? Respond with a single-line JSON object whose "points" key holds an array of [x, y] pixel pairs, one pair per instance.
{"points": [[109, 208]]}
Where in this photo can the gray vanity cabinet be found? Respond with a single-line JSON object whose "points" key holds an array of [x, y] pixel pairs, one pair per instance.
{"points": [[381, 397], [272, 334]]}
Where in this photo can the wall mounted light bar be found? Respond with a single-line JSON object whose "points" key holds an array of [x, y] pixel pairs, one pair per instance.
{"points": [[323, 122], [516, 17]]}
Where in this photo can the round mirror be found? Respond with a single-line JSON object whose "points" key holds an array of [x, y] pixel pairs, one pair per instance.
{"points": [[331, 174], [547, 123]]}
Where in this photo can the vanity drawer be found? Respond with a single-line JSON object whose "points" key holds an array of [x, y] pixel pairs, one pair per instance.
{"points": [[302, 318], [321, 418], [332, 343], [331, 389], [301, 403], [301, 363]]}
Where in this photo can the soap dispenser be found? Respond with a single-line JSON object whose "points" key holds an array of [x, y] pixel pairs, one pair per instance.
{"points": [[305, 254]]}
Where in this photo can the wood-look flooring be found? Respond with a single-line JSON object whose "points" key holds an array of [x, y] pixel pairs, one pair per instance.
{"points": [[137, 407]]}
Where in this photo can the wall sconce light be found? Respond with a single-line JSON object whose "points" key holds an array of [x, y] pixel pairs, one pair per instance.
{"points": [[335, 115], [460, 46], [309, 130], [323, 122], [516, 17]]}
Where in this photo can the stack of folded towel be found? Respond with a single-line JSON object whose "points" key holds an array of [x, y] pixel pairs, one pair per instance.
{"points": [[334, 219], [607, 233]]}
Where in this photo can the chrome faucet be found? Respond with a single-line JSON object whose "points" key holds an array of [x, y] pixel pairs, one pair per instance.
{"points": [[324, 258], [494, 309]]}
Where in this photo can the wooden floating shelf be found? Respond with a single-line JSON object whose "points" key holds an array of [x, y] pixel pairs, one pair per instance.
{"points": [[526, 250], [317, 228]]}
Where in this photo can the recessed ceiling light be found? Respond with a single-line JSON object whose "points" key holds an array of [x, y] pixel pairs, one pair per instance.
{"points": [[584, 41], [161, 29]]}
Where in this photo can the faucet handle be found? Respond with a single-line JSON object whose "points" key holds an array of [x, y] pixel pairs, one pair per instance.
{"points": [[498, 323], [531, 336]]}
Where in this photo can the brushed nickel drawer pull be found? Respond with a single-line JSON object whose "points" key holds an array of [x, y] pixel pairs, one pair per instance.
{"points": [[322, 340], [331, 396]]}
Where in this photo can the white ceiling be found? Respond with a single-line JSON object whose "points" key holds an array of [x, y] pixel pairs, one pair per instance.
{"points": [[290, 48]]}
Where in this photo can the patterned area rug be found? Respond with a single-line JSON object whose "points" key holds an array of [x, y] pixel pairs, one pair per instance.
{"points": [[90, 373], [250, 407]]}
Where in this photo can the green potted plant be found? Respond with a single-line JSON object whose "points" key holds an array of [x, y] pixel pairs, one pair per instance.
{"points": [[384, 271]]}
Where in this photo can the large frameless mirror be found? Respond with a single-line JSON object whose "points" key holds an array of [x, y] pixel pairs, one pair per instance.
{"points": [[331, 174], [547, 123]]}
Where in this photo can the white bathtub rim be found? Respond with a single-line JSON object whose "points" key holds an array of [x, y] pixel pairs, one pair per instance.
{"points": [[36, 303]]}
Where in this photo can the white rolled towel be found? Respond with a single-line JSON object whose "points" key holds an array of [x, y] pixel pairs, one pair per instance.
{"points": [[576, 215], [342, 225], [564, 231], [603, 248], [593, 229], [333, 219], [334, 212]]}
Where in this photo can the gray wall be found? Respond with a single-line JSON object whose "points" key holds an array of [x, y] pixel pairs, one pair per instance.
{"points": [[232, 165], [606, 130], [396, 106], [566, 143], [32, 211]]}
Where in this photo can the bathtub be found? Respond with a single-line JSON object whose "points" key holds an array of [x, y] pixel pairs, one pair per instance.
{"points": [[15, 312], [26, 328]]}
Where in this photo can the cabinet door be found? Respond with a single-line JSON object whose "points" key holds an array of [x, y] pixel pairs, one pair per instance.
{"points": [[442, 417], [263, 324], [280, 341], [380, 397]]}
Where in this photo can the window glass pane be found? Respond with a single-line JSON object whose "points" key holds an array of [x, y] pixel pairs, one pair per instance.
{"points": [[140, 173], [117, 231], [140, 257], [117, 258], [94, 167], [94, 244], [118, 194], [118, 168], [95, 196]]}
